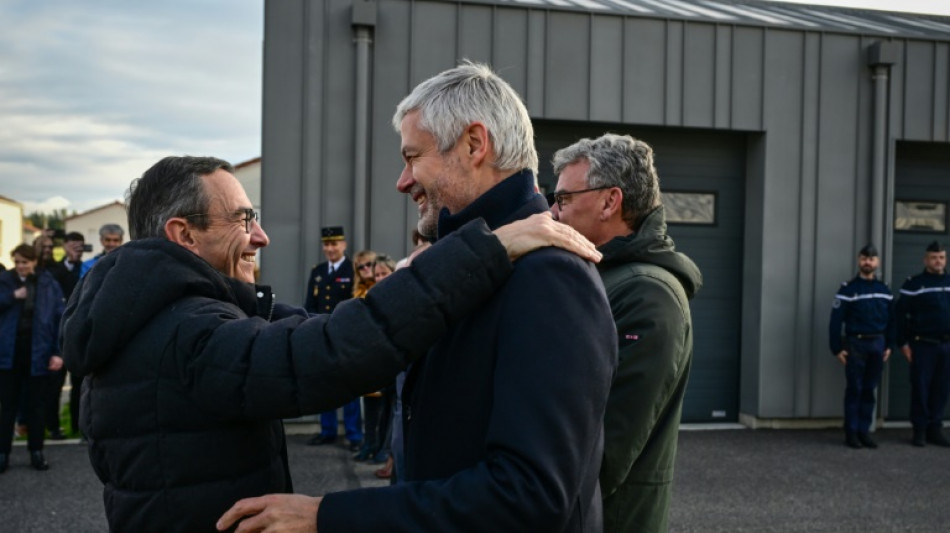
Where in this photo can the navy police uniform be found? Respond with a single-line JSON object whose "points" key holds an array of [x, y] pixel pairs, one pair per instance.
{"points": [[923, 312], [326, 289], [863, 308]]}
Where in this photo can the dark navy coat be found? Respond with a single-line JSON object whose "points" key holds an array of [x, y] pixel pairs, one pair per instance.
{"points": [[923, 309], [503, 418], [325, 292], [48, 310], [863, 307]]}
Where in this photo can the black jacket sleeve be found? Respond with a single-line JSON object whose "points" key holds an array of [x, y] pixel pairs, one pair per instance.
{"points": [[248, 367]]}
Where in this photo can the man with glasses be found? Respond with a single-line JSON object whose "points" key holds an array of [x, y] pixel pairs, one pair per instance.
{"points": [[608, 190], [330, 283], [190, 366]]}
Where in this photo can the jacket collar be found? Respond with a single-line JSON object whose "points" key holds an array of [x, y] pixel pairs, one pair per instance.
{"points": [[497, 206]]}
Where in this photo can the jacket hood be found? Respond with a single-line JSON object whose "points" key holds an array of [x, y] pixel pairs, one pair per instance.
{"points": [[652, 245], [128, 287]]}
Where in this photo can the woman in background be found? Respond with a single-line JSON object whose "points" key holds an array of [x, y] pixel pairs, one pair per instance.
{"points": [[363, 280], [31, 306]]}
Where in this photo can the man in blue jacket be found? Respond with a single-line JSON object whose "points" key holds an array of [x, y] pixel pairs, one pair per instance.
{"points": [[863, 307], [503, 417], [923, 334]]}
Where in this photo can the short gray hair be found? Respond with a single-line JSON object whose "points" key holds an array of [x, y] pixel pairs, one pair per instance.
{"points": [[618, 161], [111, 229], [448, 102]]}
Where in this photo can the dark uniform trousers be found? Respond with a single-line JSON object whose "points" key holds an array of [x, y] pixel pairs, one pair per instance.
{"points": [[863, 368], [929, 382]]}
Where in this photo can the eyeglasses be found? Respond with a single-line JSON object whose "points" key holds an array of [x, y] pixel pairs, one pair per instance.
{"points": [[557, 197], [249, 216], [361, 266]]}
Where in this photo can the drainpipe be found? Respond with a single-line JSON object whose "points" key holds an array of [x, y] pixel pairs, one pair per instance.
{"points": [[364, 20], [881, 55]]}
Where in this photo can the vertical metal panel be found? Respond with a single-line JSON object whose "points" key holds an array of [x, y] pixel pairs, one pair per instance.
{"points": [[510, 47], [606, 69], [722, 88], [941, 105], [475, 28], [393, 215], [673, 112], [784, 221], [699, 75], [896, 101], [918, 91], [747, 53], [537, 58], [755, 343], [283, 261], [566, 66], [433, 38], [644, 78]]}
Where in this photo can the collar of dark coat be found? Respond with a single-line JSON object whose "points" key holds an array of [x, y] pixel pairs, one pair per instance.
{"points": [[498, 206]]}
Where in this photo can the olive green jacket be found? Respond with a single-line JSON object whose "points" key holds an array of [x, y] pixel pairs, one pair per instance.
{"points": [[648, 285]]}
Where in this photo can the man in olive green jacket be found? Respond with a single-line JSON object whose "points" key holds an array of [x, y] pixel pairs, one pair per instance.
{"points": [[608, 190]]}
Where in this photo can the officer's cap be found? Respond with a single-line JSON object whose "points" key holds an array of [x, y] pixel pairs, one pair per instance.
{"points": [[868, 251], [935, 247], [331, 233]]}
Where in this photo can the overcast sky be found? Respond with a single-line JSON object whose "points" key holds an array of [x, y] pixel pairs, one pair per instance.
{"points": [[93, 92]]}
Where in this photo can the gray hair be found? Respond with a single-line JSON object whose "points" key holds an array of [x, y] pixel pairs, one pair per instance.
{"points": [[471, 92], [111, 229], [171, 188], [618, 161]]}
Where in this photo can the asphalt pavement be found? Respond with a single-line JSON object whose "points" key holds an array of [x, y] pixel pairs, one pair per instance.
{"points": [[726, 480]]}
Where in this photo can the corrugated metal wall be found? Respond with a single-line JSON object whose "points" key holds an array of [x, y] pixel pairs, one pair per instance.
{"points": [[808, 95]]}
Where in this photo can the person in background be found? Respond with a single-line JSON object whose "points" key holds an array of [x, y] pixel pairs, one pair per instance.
{"points": [[863, 307], [608, 190], [31, 306], [110, 237], [44, 251], [66, 273], [923, 335], [363, 279], [418, 242]]}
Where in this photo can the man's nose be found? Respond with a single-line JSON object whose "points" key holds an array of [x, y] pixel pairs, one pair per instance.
{"points": [[405, 181], [258, 237]]}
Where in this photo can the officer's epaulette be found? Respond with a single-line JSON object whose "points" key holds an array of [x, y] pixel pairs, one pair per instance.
{"points": [[844, 283]]}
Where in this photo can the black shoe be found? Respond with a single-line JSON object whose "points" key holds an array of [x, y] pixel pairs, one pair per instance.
{"points": [[866, 440], [4, 462], [38, 462], [355, 445], [935, 436], [320, 440], [918, 439], [851, 440], [57, 435]]}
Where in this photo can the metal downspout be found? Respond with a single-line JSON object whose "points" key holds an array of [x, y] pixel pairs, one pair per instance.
{"points": [[363, 21]]}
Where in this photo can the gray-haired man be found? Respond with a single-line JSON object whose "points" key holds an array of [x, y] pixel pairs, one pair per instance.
{"points": [[608, 190], [110, 237]]}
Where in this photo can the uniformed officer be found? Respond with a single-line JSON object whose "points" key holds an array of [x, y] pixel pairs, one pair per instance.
{"points": [[923, 334], [863, 307], [330, 283]]}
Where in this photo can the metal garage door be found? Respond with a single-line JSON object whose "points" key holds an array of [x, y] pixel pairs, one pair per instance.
{"points": [[922, 184], [696, 162]]}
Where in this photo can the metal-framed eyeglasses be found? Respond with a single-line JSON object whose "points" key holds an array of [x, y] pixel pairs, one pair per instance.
{"points": [[250, 215], [557, 197]]}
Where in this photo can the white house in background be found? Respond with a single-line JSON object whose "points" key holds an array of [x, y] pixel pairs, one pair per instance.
{"points": [[89, 222], [11, 228], [249, 174]]}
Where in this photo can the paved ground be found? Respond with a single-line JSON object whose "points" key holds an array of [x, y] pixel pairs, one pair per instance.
{"points": [[730, 480]]}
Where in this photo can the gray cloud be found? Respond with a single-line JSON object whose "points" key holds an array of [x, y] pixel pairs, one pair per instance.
{"points": [[94, 92]]}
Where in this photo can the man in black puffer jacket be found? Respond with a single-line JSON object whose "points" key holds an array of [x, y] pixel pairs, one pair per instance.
{"points": [[190, 366]]}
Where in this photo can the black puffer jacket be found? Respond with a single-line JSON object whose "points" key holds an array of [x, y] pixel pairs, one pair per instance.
{"points": [[186, 374]]}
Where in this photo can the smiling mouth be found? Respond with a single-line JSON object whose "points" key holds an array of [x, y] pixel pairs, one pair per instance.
{"points": [[248, 258]]}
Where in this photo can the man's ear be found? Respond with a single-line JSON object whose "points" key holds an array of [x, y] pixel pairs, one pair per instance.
{"points": [[179, 232], [612, 204], [477, 143]]}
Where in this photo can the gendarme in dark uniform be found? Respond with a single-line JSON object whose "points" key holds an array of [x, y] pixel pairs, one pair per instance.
{"points": [[330, 283], [863, 307], [325, 289], [923, 333]]}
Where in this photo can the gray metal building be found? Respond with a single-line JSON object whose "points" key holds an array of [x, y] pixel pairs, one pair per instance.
{"points": [[789, 136]]}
